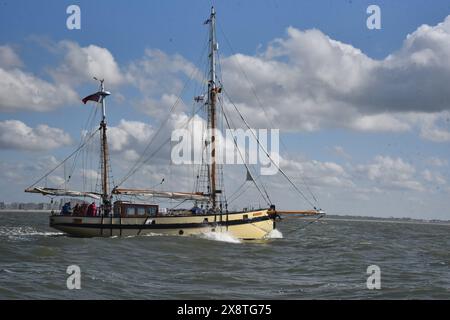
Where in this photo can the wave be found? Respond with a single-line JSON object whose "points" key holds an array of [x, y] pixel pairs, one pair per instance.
{"points": [[151, 234], [274, 234], [219, 236], [26, 231]]}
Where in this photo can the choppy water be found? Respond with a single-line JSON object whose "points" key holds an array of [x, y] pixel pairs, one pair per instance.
{"points": [[326, 260]]}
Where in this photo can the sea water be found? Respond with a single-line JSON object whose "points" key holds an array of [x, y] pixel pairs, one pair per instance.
{"points": [[323, 260]]}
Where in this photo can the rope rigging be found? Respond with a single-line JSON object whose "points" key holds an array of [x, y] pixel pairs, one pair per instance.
{"points": [[265, 195], [89, 124], [146, 156], [252, 88], [83, 150], [139, 163], [267, 154], [66, 159], [166, 141]]}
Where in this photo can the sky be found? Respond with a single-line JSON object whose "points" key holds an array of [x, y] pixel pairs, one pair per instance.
{"points": [[364, 114]]}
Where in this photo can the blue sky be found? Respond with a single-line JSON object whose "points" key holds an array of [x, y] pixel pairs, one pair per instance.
{"points": [[128, 27], [370, 118]]}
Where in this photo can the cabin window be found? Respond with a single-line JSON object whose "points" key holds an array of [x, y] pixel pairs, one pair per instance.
{"points": [[245, 216], [151, 211], [140, 210], [130, 211]]}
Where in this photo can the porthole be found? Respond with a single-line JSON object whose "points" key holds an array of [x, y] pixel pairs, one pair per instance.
{"points": [[180, 232]]}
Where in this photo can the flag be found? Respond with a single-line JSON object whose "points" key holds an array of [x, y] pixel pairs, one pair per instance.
{"points": [[93, 97], [97, 97]]}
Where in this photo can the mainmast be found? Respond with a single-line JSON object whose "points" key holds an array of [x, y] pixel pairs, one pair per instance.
{"points": [[212, 98], [105, 152]]}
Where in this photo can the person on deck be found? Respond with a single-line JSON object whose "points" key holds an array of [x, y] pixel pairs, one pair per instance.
{"points": [[107, 207], [92, 210], [76, 210], [196, 210], [66, 209], [83, 209]]}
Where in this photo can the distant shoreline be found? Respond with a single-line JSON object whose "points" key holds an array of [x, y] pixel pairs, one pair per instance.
{"points": [[348, 218], [25, 211]]}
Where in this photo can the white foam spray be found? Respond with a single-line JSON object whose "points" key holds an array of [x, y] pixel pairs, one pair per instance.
{"points": [[274, 234], [219, 236], [25, 231]]}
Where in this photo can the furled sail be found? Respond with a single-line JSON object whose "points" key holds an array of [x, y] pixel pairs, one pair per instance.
{"points": [[63, 192], [162, 194]]}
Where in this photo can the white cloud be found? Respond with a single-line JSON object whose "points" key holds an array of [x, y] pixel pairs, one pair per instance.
{"points": [[391, 173], [128, 142], [434, 177], [15, 134], [83, 63], [380, 122], [56, 180], [435, 134], [436, 162], [129, 134], [23, 91], [340, 151], [307, 81], [159, 107], [90, 174], [317, 173], [435, 127], [8, 58], [156, 71], [160, 78]]}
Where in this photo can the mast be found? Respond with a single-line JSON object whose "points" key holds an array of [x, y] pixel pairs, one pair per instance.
{"points": [[105, 151], [212, 97]]}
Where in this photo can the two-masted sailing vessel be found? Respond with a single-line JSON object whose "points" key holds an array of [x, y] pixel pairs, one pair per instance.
{"points": [[115, 216]]}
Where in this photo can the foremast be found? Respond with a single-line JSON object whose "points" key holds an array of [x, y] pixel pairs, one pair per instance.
{"points": [[104, 195], [106, 198]]}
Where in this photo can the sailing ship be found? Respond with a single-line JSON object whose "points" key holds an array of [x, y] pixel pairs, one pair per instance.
{"points": [[118, 217]]}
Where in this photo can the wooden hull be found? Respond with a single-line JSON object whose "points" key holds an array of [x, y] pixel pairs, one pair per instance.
{"points": [[250, 225]]}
